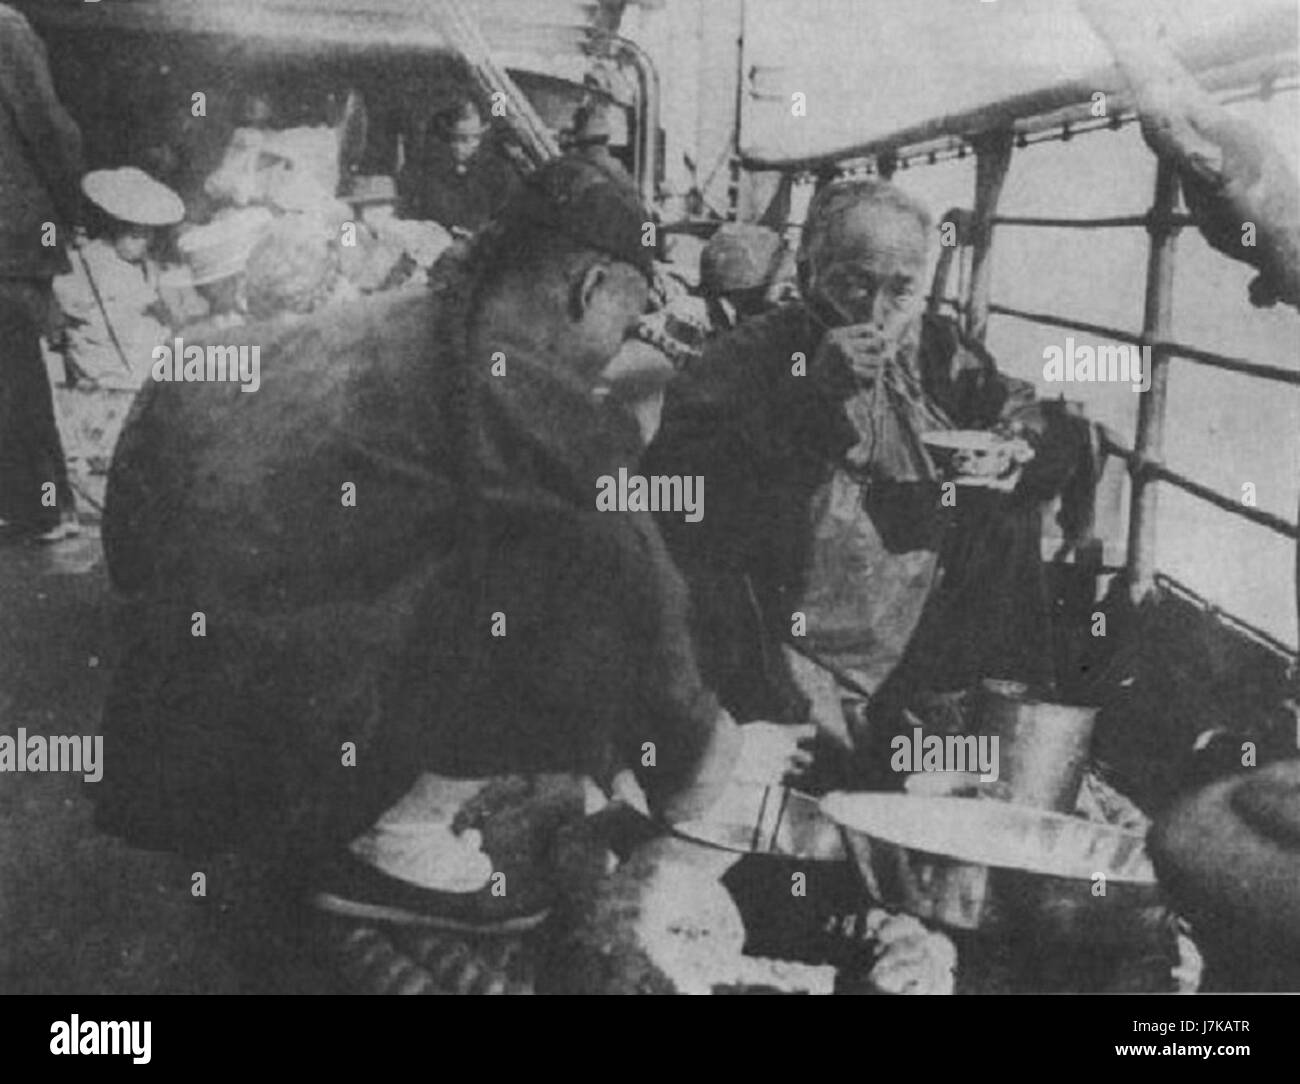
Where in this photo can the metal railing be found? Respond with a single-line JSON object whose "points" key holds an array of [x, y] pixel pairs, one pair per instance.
{"points": [[1163, 222], [1112, 445], [1144, 461]]}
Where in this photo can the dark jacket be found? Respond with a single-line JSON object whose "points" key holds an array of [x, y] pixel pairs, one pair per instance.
{"points": [[432, 190], [327, 624], [40, 156], [766, 443]]}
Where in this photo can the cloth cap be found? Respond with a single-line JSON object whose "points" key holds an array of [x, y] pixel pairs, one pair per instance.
{"points": [[739, 256], [131, 195], [588, 204]]}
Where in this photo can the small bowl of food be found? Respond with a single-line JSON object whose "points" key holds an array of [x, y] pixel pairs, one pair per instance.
{"points": [[980, 457]]}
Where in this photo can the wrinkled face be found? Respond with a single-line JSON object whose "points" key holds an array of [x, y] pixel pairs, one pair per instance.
{"points": [[869, 268], [132, 244]]}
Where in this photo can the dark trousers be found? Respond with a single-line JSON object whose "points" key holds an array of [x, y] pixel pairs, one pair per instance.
{"points": [[31, 452]]}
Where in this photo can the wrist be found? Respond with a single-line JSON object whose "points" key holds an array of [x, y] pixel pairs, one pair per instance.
{"points": [[709, 776]]}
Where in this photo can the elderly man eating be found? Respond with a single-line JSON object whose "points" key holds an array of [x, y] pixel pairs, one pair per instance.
{"points": [[829, 519]]}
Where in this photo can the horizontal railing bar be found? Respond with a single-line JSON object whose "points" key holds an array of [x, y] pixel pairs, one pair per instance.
{"points": [[1168, 347], [1066, 322], [1143, 220], [1111, 445], [1236, 365]]}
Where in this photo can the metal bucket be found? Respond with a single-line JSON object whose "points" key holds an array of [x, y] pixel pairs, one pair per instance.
{"points": [[1043, 747]]}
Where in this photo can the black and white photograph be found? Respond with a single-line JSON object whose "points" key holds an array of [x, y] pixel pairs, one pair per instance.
{"points": [[585, 497]]}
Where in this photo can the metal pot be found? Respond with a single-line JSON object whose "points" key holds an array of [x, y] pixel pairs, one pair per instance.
{"points": [[1043, 747]]}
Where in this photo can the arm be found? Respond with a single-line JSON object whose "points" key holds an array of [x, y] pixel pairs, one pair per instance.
{"points": [[602, 661]]}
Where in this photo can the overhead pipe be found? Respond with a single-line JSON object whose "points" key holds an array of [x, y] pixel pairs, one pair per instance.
{"points": [[648, 98]]}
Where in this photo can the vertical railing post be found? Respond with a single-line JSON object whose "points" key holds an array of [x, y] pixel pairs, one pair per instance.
{"points": [[992, 157], [1148, 445]]}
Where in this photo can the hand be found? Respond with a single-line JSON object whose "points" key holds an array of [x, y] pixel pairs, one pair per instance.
{"points": [[912, 960], [942, 784], [857, 350], [771, 751]]}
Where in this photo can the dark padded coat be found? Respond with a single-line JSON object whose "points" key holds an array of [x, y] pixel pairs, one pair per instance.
{"points": [[371, 624]]}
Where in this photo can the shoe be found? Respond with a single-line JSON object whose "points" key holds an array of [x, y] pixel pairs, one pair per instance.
{"points": [[347, 886], [60, 532]]}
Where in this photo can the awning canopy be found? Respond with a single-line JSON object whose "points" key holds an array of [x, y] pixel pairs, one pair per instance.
{"points": [[882, 75], [519, 32]]}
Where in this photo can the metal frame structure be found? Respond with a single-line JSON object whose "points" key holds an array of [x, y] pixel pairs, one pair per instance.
{"points": [[1144, 459]]}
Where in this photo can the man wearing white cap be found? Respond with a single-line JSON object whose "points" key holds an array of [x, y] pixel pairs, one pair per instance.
{"points": [[111, 295], [40, 151]]}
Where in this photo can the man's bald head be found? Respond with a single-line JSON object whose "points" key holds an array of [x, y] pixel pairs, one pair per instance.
{"points": [[862, 257]]}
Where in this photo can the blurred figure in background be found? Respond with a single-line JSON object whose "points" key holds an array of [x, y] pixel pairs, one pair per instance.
{"points": [[285, 169], [294, 270], [115, 309], [40, 162], [457, 176], [110, 298], [217, 257], [737, 269], [591, 136], [384, 251]]}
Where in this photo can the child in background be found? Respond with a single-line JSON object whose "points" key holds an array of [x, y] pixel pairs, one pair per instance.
{"points": [[109, 339]]}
